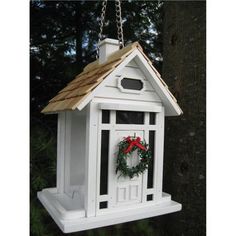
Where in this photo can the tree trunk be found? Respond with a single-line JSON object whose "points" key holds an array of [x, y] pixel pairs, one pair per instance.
{"points": [[185, 136]]}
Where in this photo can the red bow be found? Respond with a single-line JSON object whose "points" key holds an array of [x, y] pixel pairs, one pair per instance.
{"points": [[135, 142]]}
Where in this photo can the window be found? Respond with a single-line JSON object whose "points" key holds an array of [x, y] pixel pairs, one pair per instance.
{"points": [[150, 197], [102, 205], [104, 162], [129, 117], [105, 116], [151, 165], [152, 118], [132, 84]]}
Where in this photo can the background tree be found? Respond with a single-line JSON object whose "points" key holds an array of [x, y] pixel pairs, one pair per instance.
{"points": [[184, 70], [63, 37]]}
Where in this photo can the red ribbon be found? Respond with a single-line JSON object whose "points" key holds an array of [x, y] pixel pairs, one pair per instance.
{"points": [[135, 142]]}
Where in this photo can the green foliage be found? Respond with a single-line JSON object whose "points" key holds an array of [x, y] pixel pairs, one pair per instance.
{"points": [[42, 172], [143, 227], [121, 162]]}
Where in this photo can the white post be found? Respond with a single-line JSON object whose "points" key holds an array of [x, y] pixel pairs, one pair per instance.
{"points": [[67, 151], [60, 151], [145, 176], [91, 159], [159, 150]]}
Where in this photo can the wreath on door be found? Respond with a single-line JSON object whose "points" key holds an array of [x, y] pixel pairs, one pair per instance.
{"points": [[127, 146]]}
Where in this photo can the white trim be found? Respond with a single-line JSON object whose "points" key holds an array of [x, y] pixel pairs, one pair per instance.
{"points": [[115, 216], [128, 107], [67, 150], [99, 144], [124, 90], [150, 191], [159, 153], [130, 127], [60, 152], [172, 108], [115, 72], [145, 174], [103, 198], [91, 159], [111, 168], [109, 41]]}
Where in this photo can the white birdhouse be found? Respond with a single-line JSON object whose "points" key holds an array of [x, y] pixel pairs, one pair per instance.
{"points": [[118, 98]]}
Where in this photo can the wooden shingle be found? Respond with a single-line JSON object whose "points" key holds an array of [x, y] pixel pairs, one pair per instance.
{"points": [[93, 74]]}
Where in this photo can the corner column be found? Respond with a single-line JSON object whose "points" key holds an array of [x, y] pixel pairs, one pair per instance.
{"points": [[61, 124], [91, 159]]}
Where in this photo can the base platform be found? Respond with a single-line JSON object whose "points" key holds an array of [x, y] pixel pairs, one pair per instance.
{"points": [[75, 220]]}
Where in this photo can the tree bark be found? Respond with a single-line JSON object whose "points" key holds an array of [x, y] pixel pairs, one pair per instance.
{"points": [[185, 137]]}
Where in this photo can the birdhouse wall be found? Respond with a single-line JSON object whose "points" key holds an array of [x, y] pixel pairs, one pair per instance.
{"points": [[71, 152], [114, 90], [77, 162]]}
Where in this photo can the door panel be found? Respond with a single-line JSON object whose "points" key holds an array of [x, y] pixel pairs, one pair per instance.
{"points": [[126, 190]]}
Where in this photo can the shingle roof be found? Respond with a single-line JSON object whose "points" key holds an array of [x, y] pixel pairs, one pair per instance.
{"points": [[93, 74]]}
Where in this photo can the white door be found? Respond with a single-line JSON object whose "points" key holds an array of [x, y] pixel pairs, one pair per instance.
{"points": [[126, 191]]}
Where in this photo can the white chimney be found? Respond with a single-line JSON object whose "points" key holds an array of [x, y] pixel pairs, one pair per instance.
{"points": [[106, 48]]}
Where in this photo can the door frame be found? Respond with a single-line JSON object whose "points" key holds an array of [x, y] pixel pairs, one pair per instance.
{"points": [[156, 191]]}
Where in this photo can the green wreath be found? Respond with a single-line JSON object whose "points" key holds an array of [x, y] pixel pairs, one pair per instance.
{"points": [[126, 147]]}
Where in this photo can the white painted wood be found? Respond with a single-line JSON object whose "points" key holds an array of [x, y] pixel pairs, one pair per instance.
{"points": [[146, 138], [99, 88], [99, 197], [67, 208], [150, 191], [126, 102], [126, 191], [106, 48], [171, 107], [112, 161], [128, 107], [91, 159], [108, 217], [128, 91], [78, 138], [67, 150], [132, 64], [111, 92], [130, 127], [159, 150], [60, 152], [103, 198], [115, 83]]}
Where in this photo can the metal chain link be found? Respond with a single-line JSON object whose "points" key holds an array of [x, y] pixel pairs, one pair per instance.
{"points": [[118, 23], [102, 21]]}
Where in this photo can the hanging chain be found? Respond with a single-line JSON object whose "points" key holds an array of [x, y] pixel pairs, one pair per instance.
{"points": [[102, 21], [118, 23], [104, 6]]}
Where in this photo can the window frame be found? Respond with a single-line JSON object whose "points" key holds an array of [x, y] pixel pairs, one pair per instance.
{"points": [[124, 90]]}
